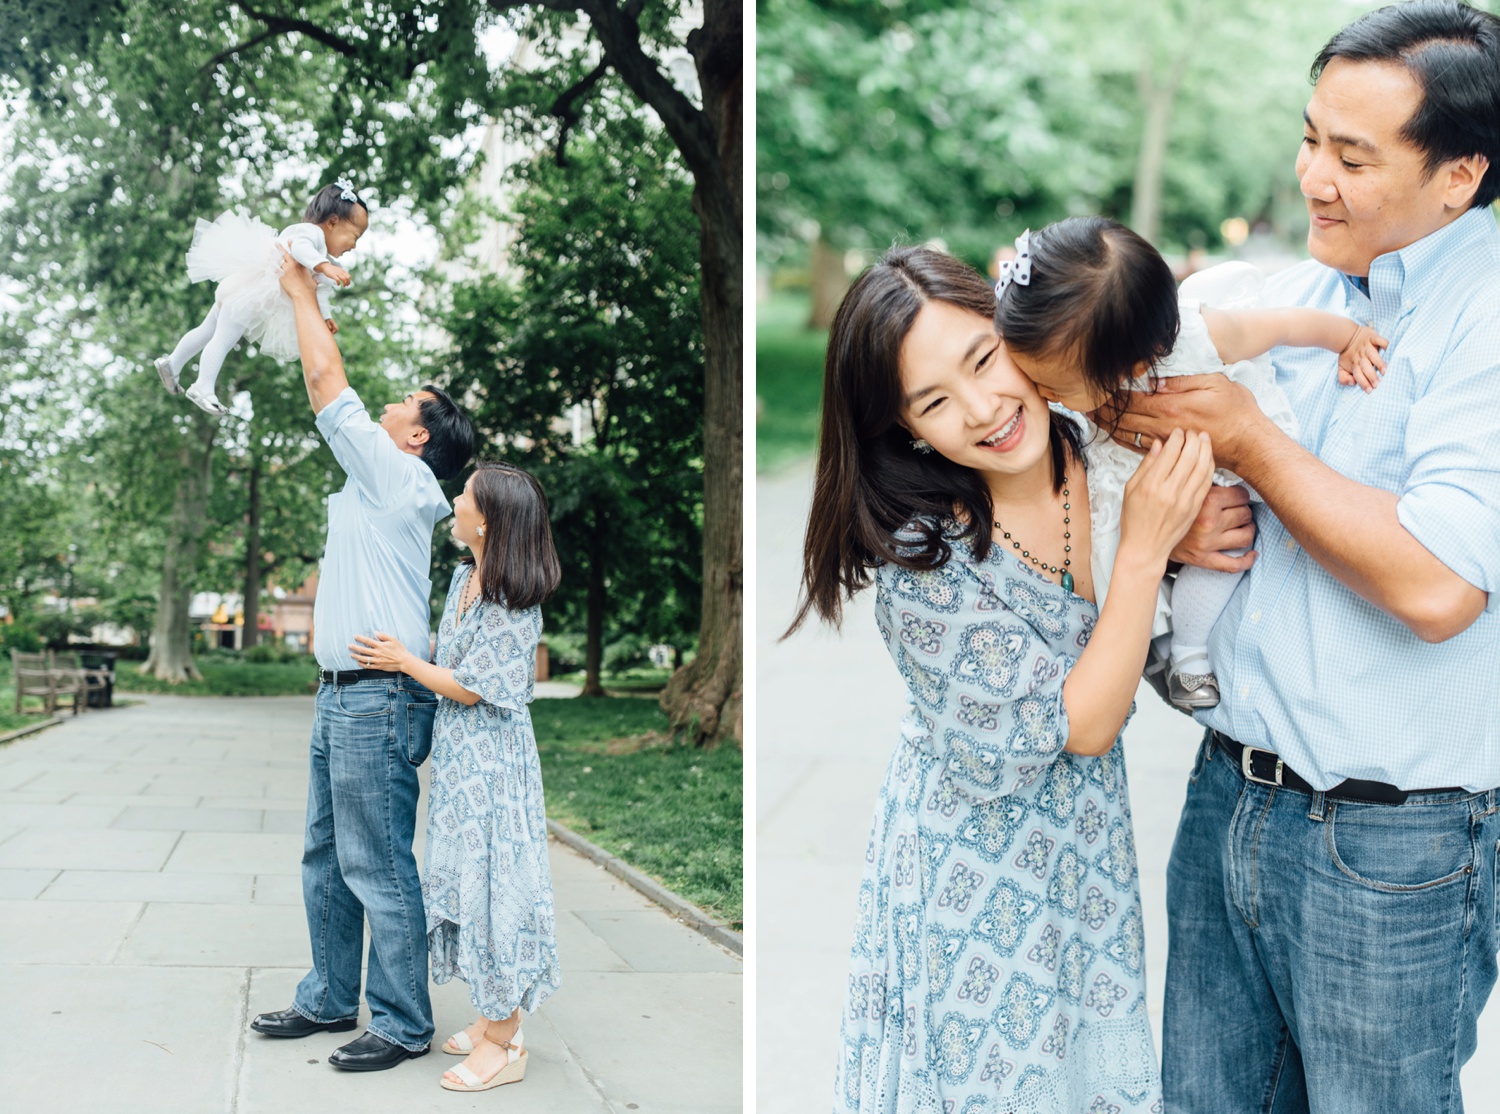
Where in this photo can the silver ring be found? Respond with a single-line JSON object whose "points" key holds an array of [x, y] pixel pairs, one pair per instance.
{"points": [[1138, 440]]}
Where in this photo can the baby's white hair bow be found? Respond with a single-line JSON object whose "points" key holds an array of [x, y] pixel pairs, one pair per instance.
{"points": [[1016, 270], [347, 188]]}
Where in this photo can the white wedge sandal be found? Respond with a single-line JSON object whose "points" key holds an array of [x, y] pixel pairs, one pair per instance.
{"points": [[513, 1072]]}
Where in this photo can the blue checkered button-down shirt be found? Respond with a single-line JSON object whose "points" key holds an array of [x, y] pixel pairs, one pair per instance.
{"points": [[1334, 685]]}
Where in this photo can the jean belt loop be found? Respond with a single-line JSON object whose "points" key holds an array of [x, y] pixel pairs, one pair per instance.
{"points": [[1318, 810]]}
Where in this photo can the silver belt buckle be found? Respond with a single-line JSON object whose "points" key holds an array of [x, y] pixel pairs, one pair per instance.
{"points": [[1245, 756]]}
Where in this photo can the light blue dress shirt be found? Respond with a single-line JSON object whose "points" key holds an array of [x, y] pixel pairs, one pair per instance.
{"points": [[1338, 688], [375, 571]]}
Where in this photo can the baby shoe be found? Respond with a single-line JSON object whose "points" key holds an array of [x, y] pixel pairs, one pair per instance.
{"points": [[168, 376], [1192, 690], [205, 400]]}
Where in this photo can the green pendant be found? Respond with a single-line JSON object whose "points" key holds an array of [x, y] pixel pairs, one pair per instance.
{"points": [[1067, 582]]}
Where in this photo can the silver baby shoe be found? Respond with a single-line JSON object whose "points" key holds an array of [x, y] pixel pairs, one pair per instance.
{"points": [[1192, 690]]}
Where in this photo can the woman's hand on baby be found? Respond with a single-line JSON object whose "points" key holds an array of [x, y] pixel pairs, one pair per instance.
{"points": [[332, 328], [380, 652], [335, 272], [1163, 497], [1360, 361]]}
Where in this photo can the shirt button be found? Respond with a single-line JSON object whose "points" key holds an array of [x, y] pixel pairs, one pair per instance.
{"points": [[1255, 618], [1291, 543], [1244, 691]]}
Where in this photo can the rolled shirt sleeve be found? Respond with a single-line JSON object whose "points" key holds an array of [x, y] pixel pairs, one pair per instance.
{"points": [[1451, 499]]}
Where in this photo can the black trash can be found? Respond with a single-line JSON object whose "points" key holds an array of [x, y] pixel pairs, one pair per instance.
{"points": [[102, 697]]}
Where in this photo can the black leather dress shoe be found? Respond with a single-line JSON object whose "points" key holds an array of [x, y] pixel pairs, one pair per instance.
{"points": [[290, 1023], [371, 1053]]}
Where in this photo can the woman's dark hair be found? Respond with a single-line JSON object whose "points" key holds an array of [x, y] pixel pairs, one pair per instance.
{"points": [[1453, 54], [329, 202], [450, 434], [520, 567], [1099, 296], [870, 483]]}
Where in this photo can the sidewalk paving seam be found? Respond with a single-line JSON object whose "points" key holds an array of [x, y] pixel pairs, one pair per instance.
{"points": [[129, 931], [583, 1068], [48, 886], [243, 1022]]}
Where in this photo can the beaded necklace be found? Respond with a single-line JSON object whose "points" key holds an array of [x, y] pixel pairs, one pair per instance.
{"points": [[1067, 577]]}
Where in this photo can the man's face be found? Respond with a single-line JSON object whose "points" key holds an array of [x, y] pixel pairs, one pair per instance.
{"points": [[1363, 182], [403, 421]]}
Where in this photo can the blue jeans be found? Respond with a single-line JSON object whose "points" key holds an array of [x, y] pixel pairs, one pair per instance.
{"points": [[368, 740], [1325, 955]]}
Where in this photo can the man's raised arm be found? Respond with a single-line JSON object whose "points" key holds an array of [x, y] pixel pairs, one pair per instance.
{"points": [[322, 363]]}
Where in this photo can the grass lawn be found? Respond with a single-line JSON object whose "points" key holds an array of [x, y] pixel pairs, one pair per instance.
{"points": [[641, 679], [788, 381], [674, 812], [227, 677]]}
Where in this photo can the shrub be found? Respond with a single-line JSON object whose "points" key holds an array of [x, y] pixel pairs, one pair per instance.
{"points": [[566, 650], [271, 651], [627, 652], [19, 635]]}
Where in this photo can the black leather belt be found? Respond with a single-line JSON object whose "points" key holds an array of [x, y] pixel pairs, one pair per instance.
{"points": [[349, 676], [1264, 768]]}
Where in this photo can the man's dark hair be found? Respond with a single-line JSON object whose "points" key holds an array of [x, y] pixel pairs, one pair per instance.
{"points": [[450, 434], [1452, 52], [329, 202]]}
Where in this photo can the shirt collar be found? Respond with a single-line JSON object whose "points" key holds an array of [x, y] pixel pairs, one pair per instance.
{"points": [[1407, 274]]}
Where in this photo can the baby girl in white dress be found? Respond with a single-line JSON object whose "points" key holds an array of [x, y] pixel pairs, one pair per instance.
{"points": [[1090, 311], [241, 254]]}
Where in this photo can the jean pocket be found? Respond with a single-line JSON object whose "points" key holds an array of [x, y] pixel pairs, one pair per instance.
{"points": [[1399, 849], [363, 701], [420, 710], [1205, 749]]}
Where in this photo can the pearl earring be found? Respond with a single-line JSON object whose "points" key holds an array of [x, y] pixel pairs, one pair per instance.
{"points": [[921, 446], [481, 531]]}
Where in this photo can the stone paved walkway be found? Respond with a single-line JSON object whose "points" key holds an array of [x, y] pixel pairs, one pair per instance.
{"points": [[827, 709], [150, 904]]}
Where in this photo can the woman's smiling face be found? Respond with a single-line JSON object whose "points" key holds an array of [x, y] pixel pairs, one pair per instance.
{"points": [[964, 396]]}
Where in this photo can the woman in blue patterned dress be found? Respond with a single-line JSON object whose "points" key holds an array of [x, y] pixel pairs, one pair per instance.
{"points": [[486, 882], [998, 955]]}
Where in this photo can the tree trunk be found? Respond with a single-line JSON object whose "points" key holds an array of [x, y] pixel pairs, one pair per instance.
{"points": [[593, 655], [829, 281], [171, 658], [704, 698], [1157, 100], [252, 561]]}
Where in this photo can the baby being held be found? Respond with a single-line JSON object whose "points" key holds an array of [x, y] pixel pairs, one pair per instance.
{"points": [[243, 256], [1090, 311]]}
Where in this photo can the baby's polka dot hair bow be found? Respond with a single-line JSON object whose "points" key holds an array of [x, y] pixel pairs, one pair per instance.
{"points": [[1016, 270], [346, 188]]}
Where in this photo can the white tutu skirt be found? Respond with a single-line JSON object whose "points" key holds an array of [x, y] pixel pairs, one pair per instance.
{"points": [[240, 254]]}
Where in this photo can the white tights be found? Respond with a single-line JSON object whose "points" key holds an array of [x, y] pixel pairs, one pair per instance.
{"points": [[215, 338], [1197, 599]]}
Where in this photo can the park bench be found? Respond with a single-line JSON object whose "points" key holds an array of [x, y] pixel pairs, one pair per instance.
{"points": [[44, 677]]}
